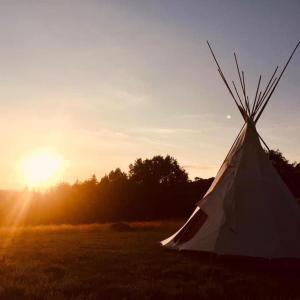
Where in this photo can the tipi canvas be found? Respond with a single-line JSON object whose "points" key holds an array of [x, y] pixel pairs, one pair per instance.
{"points": [[248, 210]]}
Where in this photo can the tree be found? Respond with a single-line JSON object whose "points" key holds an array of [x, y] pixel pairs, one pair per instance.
{"points": [[158, 170], [289, 172], [117, 175]]}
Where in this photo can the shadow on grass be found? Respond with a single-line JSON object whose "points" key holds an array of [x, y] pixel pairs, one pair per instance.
{"points": [[281, 266]]}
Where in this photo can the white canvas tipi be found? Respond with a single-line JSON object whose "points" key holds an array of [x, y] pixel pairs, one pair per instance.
{"points": [[248, 210]]}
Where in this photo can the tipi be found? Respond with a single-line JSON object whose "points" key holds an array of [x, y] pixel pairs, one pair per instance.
{"points": [[248, 210]]}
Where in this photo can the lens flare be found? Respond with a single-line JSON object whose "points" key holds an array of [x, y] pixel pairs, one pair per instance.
{"points": [[41, 169]]}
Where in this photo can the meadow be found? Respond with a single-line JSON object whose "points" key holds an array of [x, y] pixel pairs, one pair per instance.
{"points": [[126, 262]]}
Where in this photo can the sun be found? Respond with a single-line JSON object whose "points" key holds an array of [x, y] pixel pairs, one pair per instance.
{"points": [[41, 168]]}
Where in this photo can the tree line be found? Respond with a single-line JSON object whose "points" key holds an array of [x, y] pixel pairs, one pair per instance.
{"points": [[156, 188]]}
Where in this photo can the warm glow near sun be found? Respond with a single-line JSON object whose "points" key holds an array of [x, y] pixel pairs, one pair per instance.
{"points": [[41, 169]]}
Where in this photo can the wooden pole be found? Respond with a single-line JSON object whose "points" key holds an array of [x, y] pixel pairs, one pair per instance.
{"points": [[275, 85], [267, 88], [224, 79], [242, 81], [236, 91], [245, 94], [255, 99], [226, 83], [266, 95], [263, 142]]}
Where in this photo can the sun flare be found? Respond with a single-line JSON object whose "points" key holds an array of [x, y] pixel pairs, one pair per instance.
{"points": [[41, 169]]}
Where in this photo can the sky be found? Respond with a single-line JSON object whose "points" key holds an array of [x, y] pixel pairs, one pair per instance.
{"points": [[102, 83]]}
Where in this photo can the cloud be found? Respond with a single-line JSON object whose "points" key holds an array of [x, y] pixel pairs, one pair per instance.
{"points": [[117, 138], [129, 98], [199, 167], [198, 116], [165, 131], [107, 133]]}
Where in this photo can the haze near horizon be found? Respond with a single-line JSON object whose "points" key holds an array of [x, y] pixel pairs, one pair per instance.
{"points": [[91, 86]]}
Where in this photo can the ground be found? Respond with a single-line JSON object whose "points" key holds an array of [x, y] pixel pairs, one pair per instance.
{"points": [[116, 262]]}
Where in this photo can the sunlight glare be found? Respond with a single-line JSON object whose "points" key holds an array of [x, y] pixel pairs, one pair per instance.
{"points": [[41, 168]]}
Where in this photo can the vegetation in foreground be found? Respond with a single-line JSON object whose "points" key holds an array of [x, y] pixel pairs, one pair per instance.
{"points": [[126, 262]]}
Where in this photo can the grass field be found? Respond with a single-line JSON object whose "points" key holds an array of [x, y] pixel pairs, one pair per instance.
{"points": [[99, 262]]}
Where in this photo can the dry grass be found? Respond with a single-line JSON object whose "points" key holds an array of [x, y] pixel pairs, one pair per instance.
{"points": [[96, 262]]}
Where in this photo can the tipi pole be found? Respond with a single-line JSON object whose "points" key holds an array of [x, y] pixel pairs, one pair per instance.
{"points": [[266, 89], [272, 91], [224, 79], [242, 81], [263, 142], [266, 95], [227, 85], [238, 94], [255, 99]]}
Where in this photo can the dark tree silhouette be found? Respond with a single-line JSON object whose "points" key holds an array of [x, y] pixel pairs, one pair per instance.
{"points": [[289, 172], [115, 176], [158, 170], [156, 188]]}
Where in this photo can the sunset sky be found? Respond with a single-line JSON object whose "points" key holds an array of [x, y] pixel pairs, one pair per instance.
{"points": [[101, 83]]}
